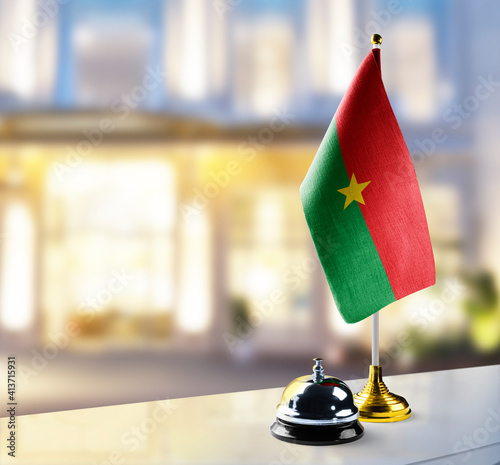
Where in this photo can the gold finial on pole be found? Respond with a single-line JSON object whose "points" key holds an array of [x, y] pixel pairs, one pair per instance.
{"points": [[376, 40]]}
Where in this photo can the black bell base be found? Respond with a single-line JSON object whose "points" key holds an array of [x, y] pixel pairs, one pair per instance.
{"points": [[317, 435]]}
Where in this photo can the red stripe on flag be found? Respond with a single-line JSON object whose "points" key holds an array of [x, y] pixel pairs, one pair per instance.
{"points": [[374, 150]]}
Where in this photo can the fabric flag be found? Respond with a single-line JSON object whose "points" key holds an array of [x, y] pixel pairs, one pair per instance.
{"points": [[363, 205]]}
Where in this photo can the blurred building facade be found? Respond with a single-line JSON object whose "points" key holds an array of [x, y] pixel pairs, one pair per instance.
{"points": [[151, 154]]}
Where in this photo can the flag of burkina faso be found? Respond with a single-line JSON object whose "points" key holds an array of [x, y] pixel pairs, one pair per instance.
{"points": [[363, 206]]}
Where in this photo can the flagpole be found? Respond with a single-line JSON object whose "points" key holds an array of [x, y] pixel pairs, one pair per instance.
{"points": [[376, 42], [375, 340], [375, 402]]}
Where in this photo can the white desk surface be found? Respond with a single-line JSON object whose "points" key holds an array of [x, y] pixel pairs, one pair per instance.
{"points": [[453, 411]]}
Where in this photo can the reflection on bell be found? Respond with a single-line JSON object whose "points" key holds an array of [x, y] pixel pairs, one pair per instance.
{"points": [[317, 410]]}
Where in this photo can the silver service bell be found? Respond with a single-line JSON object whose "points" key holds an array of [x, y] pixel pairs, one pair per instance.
{"points": [[317, 410]]}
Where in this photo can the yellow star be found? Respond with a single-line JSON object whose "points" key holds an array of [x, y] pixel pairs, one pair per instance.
{"points": [[353, 191]]}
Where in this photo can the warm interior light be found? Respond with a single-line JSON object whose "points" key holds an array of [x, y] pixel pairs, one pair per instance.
{"points": [[195, 296], [16, 299], [116, 217]]}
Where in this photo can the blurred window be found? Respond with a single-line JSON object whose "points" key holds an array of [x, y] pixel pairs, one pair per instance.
{"points": [[271, 264], [109, 249]]}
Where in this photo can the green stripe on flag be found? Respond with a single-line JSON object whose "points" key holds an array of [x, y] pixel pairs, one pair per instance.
{"points": [[345, 248]]}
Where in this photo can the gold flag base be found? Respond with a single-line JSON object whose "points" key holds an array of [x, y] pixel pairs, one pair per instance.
{"points": [[376, 404]]}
